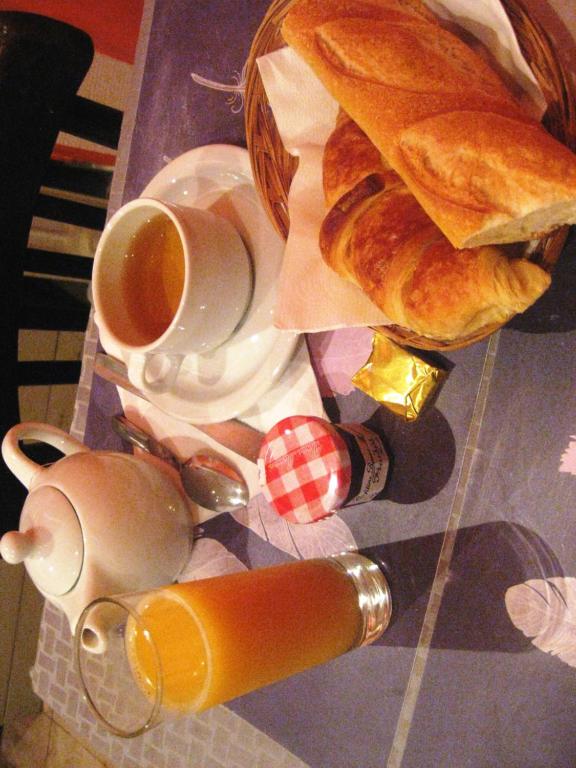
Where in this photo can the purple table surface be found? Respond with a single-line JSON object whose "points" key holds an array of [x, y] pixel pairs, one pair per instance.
{"points": [[481, 495]]}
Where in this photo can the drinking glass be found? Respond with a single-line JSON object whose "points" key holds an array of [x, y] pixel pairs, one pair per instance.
{"points": [[146, 657]]}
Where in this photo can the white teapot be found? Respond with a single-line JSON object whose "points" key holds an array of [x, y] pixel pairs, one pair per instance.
{"points": [[94, 523]]}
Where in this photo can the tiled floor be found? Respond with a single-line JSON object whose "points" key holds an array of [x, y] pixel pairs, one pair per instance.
{"points": [[31, 738], [40, 741]]}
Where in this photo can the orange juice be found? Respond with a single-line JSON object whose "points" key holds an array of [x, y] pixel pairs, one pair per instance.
{"points": [[153, 277], [220, 638]]}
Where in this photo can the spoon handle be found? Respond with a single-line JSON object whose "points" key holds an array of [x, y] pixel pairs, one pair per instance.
{"points": [[132, 434], [233, 434]]}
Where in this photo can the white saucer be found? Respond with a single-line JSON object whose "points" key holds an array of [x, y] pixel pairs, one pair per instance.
{"points": [[224, 383]]}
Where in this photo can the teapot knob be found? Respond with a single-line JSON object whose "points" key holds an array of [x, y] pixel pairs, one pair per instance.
{"points": [[16, 546], [50, 541]]}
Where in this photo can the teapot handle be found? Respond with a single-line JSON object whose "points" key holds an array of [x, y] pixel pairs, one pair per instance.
{"points": [[23, 467]]}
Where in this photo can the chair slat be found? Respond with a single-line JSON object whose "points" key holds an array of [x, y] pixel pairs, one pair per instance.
{"points": [[93, 121], [74, 178], [53, 305], [58, 264], [45, 372], [70, 212]]}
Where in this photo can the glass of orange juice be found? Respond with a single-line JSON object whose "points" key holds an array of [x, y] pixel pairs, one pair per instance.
{"points": [[186, 647]]}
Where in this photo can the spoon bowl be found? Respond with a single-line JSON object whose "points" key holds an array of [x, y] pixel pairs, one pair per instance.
{"points": [[213, 483], [209, 481]]}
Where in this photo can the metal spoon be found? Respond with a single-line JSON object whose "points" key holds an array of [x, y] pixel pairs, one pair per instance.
{"points": [[208, 480]]}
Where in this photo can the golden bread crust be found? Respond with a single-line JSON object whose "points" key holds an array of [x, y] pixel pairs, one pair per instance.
{"points": [[440, 116], [349, 158], [378, 236]]}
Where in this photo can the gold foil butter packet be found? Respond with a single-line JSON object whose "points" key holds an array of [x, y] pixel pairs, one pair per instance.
{"points": [[398, 379]]}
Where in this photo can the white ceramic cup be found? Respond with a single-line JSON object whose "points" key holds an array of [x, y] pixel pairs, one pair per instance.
{"points": [[216, 288]]}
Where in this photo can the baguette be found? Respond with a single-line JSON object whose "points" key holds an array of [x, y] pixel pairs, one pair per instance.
{"points": [[478, 163], [377, 236]]}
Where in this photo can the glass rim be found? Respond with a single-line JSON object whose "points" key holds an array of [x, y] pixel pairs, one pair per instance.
{"points": [[373, 589], [80, 649]]}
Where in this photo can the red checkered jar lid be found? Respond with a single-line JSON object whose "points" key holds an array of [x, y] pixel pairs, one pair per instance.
{"points": [[309, 468]]}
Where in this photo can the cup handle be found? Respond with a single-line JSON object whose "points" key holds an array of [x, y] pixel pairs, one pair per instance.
{"points": [[23, 467], [138, 373]]}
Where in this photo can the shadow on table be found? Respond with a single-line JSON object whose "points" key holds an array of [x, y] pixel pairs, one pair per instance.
{"points": [[555, 311], [487, 560], [422, 454]]}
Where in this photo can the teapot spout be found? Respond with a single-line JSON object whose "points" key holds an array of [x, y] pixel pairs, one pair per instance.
{"points": [[99, 624]]}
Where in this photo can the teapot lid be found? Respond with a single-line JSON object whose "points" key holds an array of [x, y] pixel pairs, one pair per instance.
{"points": [[49, 541]]}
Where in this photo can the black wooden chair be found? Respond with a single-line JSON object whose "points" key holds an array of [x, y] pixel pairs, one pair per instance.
{"points": [[42, 64]]}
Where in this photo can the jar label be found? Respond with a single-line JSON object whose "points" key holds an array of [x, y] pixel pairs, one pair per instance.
{"points": [[369, 480]]}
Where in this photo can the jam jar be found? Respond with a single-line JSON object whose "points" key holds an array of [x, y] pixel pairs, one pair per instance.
{"points": [[309, 468]]}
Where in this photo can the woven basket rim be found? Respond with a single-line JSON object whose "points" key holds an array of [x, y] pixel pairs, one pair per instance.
{"points": [[273, 168]]}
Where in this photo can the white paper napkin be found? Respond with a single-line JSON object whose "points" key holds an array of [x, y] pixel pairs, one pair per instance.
{"points": [[311, 296]]}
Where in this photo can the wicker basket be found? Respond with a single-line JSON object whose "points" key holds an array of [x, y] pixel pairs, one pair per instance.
{"points": [[274, 168]]}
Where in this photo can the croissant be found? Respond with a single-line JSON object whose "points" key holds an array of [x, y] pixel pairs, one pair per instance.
{"points": [[377, 236], [470, 152]]}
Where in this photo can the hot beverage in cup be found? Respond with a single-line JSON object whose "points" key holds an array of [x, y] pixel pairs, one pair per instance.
{"points": [[153, 278], [168, 281]]}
